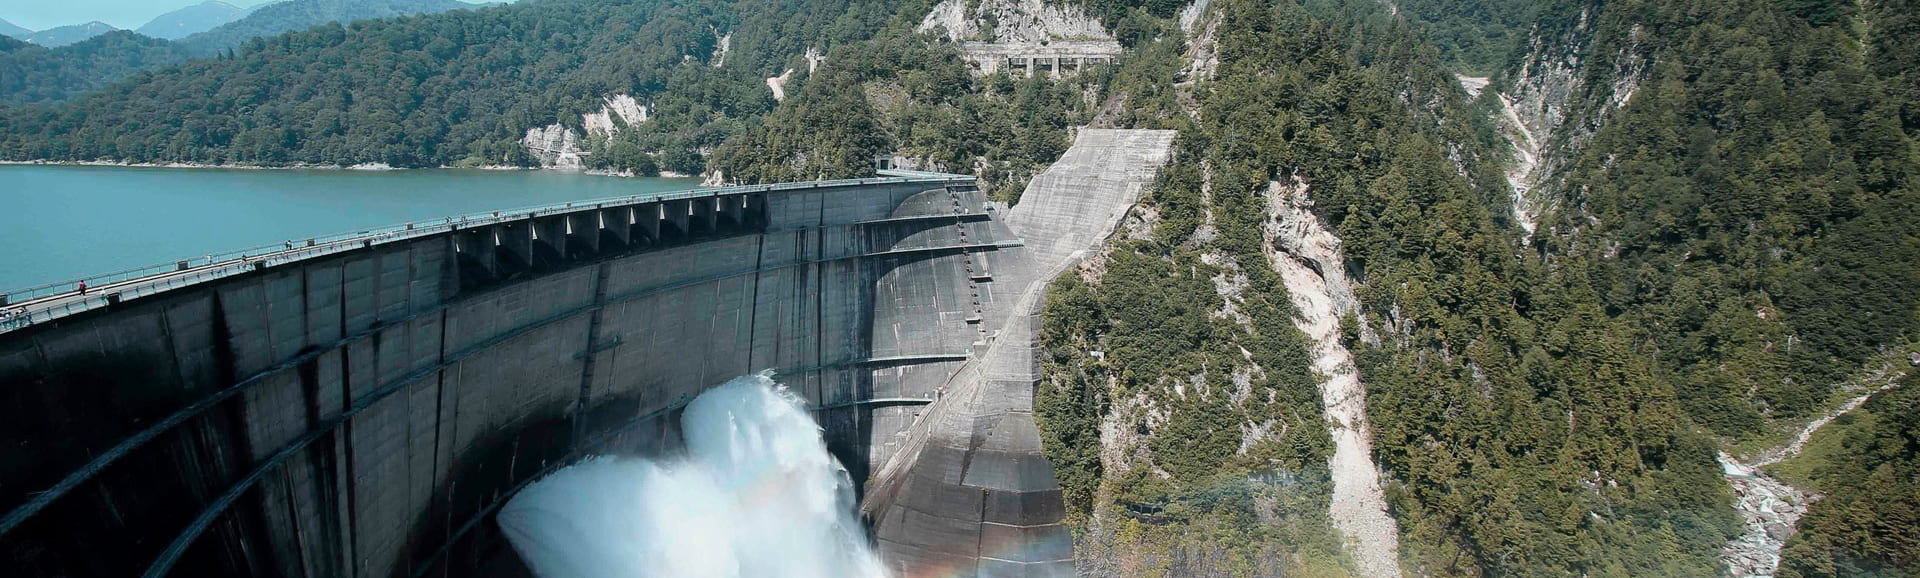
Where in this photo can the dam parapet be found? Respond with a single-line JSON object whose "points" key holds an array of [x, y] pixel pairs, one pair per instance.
{"points": [[361, 404]]}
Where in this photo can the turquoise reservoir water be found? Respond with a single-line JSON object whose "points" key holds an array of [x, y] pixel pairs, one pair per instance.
{"points": [[66, 222]]}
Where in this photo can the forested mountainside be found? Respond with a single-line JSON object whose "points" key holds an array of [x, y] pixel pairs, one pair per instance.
{"points": [[1717, 228], [33, 73], [1521, 431], [1740, 180], [1731, 234], [64, 35], [193, 19], [275, 18], [908, 95], [1752, 208], [452, 88], [1481, 37], [461, 88], [62, 72]]}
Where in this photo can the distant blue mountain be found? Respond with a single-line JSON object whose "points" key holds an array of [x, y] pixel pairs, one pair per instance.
{"points": [[32, 71], [64, 35], [8, 29], [276, 18], [192, 20]]}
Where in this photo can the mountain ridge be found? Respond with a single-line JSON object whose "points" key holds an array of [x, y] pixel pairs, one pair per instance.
{"points": [[11, 30], [64, 35], [192, 19], [65, 71], [276, 18]]}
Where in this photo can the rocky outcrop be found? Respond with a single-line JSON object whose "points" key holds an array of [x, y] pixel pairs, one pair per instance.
{"points": [[1309, 261], [1023, 36], [720, 50], [557, 147], [1538, 116], [1201, 26], [778, 84], [1012, 21], [1768, 511], [622, 107]]}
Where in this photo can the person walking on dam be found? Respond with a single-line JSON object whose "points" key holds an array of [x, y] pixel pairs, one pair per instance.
{"points": [[83, 287]]}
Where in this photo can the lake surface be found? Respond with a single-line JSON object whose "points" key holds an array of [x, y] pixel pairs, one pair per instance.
{"points": [[67, 222]]}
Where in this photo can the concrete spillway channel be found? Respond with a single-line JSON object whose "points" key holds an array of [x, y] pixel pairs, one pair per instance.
{"points": [[970, 493], [361, 406]]}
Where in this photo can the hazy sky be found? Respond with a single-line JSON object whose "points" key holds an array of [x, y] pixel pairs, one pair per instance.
{"points": [[44, 14]]}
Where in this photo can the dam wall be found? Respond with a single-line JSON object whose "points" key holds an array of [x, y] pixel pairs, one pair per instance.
{"points": [[361, 406], [971, 492]]}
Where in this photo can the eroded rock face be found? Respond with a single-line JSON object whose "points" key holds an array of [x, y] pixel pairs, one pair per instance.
{"points": [[1537, 116], [778, 84], [1309, 261], [555, 146], [559, 147], [623, 107], [1014, 21], [1202, 25], [1532, 110], [1026, 36], [720, 50]]}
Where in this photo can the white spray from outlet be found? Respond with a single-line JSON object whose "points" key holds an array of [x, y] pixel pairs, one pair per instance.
{"points": [[757, 495]]}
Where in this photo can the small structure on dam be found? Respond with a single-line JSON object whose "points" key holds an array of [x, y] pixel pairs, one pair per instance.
{"points": [[361, 405]]}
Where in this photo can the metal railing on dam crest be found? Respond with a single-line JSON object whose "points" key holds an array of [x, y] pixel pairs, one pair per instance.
{"points": [[45, 302], [359, 404]]}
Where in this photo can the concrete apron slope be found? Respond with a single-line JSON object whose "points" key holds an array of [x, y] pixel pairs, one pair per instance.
{"points": [[1309, 261], [970, 493]]}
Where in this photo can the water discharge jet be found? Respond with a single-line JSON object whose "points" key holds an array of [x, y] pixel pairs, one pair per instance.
{"points": [[756, 495]]}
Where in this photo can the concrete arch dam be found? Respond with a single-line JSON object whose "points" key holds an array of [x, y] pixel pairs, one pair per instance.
{"points": [[362, 405], [360, 412]]}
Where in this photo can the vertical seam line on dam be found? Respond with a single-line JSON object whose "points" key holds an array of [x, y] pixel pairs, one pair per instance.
{"points": [[753, 311], [592, 350]]}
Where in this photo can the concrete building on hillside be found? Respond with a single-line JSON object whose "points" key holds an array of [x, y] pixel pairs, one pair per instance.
{"points": [[1056, 58]]}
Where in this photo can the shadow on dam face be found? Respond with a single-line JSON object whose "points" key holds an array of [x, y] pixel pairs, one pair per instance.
{"points": [[501, 463], [364, 411]]}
